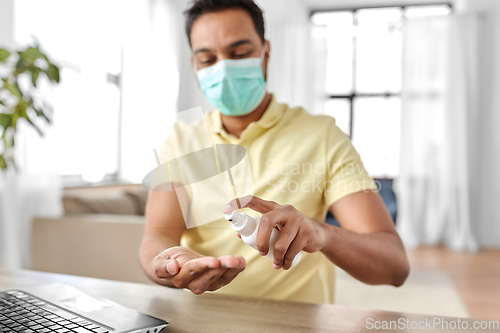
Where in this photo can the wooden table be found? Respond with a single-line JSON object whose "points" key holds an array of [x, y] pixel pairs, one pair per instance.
{"points": [[207, 313]]}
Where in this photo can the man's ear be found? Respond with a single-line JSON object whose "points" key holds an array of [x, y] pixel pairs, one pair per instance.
{"points": [[267, 47], [193, 63], [267, 51]]}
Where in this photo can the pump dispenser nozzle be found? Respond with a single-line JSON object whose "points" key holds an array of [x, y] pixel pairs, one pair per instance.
{"points": [[242, 223]]}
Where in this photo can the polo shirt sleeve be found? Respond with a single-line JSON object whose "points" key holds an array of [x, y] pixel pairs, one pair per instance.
{"points": [[346, 172], [168, 155], [160, 178]]}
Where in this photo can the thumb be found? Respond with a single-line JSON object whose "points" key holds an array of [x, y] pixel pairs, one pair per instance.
{"points": [[172, 266], [166, 268]]}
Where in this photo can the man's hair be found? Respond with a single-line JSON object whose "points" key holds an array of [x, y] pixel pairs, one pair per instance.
{"points": [[200, 7]]}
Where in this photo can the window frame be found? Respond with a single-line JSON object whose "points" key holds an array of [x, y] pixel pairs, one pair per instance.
{"points": [[353, 95]]}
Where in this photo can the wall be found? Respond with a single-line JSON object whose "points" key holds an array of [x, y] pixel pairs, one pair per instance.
{"points": [[6, 23]]}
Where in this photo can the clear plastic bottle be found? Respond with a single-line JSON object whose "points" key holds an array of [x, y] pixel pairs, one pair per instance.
{"points": [[247, 227]]}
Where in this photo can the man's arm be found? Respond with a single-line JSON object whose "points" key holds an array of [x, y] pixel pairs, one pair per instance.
{"points": [[167, 263], [367, 246], [163, 229]]}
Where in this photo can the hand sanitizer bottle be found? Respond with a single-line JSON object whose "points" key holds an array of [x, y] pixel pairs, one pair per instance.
{"points": [[247, 227]]}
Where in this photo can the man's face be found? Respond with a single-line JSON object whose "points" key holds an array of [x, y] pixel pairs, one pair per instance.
{"points": [[228, 34]]}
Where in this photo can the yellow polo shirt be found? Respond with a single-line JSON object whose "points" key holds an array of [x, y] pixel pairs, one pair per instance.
{"points": [[297, 159]]}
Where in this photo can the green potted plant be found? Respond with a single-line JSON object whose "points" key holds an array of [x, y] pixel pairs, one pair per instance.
{"points": [[17, 103]]}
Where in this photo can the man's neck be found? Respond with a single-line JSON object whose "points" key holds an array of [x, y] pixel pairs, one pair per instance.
{"points": [[236, 125]]}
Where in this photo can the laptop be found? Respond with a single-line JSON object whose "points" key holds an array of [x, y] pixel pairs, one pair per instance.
{"points": [[63, 309]]}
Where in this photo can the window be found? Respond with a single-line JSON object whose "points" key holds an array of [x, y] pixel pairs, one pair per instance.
{"points": [[119, 83], [364, 76], [86, 103]]}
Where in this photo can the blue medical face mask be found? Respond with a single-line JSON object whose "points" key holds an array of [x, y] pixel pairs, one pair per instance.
{"points": [[235, 87]]}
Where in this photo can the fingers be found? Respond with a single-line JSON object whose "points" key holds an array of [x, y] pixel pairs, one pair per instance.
{"points": [[201, 283], [268, 221], [229, 275], [192, 269], [164, 265], [293, 249], [163, 269], [231, 261], [216, 278], [286, 238], [254, 203]]}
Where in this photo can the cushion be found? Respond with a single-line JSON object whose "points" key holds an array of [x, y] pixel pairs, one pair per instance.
{"points": [[140, 197], [116, 204]]}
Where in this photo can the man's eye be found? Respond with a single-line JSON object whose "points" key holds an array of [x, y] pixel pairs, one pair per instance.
{"points": [[207, 62], [242, 55]]}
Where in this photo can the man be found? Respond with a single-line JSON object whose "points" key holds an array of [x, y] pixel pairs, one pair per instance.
{"points": [[285, 147]]}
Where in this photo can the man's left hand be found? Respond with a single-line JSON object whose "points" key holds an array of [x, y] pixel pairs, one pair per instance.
{"points": [[297, 231]]}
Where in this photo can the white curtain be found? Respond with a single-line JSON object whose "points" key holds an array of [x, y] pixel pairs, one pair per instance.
{"points": [[297, 64], [290, 70], [33, 191], [439, 96], [24, 196]]}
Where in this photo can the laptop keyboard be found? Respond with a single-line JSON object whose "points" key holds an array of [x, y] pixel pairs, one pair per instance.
{"points": [[21, 312]]}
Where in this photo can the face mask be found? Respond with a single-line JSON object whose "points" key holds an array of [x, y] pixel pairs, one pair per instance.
{"points": [[235, 87]]}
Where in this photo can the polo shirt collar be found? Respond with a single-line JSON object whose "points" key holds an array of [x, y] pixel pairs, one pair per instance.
{"points": [[270, 117]]}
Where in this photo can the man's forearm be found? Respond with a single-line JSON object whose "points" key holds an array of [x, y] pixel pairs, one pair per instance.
{"points": [[376, 258], [151, 246]]}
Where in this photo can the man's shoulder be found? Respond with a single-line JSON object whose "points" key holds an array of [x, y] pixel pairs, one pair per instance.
{"points": [[186, 137], [188, 129], [299, 117]]}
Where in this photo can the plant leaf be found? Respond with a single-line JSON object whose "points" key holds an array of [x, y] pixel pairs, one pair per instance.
{"points": [[34, 76], [30, 54], [3, 164], [22, 65], [5, 120], [13, 88], [4, 54], [53, 73]]}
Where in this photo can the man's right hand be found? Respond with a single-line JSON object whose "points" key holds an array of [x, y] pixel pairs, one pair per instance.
{"points": [[188, 269]]}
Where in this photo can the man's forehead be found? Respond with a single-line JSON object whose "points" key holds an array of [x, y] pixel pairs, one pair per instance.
{"points": [[224, 29], [230, 46]]}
